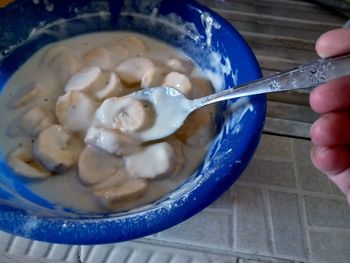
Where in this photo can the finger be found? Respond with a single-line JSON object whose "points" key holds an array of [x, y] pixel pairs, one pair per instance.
{"points": [[334, 42], [331, 160], [342, 181], [335, 163], [331, 96], [331, 129]]}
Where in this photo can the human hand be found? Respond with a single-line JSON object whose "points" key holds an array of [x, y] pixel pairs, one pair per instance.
{"points": [[330, 134]]}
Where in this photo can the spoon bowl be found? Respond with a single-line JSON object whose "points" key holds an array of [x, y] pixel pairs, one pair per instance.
{"points": [[171, 109]]}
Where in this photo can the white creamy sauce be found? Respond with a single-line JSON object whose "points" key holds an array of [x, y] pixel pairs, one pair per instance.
{"points": [[66, 189]]}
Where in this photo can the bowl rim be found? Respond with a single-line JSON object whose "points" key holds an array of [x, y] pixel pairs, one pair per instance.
{"points": [[121, 228]]}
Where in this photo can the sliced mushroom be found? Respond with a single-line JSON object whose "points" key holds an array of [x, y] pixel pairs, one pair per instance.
{"points": [[180, 82], [83, 79], [117, 179], [201, 87], [153, 77], [56, 150], [119, 53], [151, 162], [131, 189], [132, 70], [36, 119], [133, 43], [22, 162], [180, 65], [75, 111], [13, 131], [61, 62], [110, 141], [109, 86], [96, 166], [128, 47], [98, 57], [27, 95], [179, 152], [52, 52], [198, 129], [202, 137], [125, 114]]}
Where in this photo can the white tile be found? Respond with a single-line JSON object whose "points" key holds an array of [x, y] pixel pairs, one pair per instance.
{"points": [[252, 231], [208, 229], [329, 247], [289, 234]]}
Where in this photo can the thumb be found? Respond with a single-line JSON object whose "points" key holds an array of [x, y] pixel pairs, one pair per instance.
{"points": [[334, 42]]}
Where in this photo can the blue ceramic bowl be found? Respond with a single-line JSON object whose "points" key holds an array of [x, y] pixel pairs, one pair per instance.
{"points": [[28, 25]]}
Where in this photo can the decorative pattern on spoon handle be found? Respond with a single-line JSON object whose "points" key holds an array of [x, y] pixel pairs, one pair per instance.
{"points": [[305, 76]]}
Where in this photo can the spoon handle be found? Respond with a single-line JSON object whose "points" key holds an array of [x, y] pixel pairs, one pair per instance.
{"points": [[305, 76]]}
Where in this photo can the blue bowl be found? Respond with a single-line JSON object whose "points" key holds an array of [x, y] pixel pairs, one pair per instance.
{"points": [[27, 26]]}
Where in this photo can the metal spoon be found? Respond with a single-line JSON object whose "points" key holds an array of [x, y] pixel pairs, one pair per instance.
{"points": [[172, 107]]}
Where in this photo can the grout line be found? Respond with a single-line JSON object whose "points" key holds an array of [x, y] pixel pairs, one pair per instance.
{"points": [[330, 230], [109, 251], [109, 254], [266, 186], [301, 203], [222, 211], [233, 196], [290, 190], [303, 218], [68, 252], [149, 255], [66, 255], [89, 253], [216, 251], [269, 220], [50, 252], [47, 253], [294, 259], [10, 244], [325, 196], [272, 158], [59, 247], [29, 247], [79, 254], [128, 256]]}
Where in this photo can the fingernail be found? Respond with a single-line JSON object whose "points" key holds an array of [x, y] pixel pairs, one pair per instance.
{"points": [[316, 151]]}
